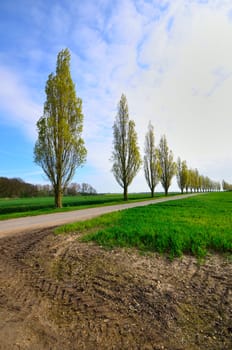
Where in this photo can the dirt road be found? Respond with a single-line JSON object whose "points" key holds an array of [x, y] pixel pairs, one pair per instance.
{"points": [[12, 226]]}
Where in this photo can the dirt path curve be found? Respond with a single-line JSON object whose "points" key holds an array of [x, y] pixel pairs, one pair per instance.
{"points": [[57, 293], [12, 226]]}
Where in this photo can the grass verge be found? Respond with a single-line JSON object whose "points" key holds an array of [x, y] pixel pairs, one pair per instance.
{"points": [[194, 225]]}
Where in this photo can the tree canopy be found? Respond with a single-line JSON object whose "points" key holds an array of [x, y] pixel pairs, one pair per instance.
{"points": [[60, 149], [126, 157], [182, 174], [150, 161], [167, 164]]}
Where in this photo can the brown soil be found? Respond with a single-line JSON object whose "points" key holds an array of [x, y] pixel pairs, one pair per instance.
{"points": [[58, 293]]}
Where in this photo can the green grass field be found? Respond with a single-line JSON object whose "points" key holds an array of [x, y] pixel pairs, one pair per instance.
{"points": [[13, 208], [196, 225]]}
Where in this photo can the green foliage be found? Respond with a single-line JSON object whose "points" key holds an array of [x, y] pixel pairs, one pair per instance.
{"points": [[166, 163], [182, 174], [60, 149], [195, 226], [150, 162], [126, 157]]}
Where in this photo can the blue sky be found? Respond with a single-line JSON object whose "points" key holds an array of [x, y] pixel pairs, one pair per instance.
{"points": [[172, 59]]}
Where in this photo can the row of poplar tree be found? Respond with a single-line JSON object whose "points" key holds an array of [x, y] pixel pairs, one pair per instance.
{"points": [[158, 162], [60, 148]]}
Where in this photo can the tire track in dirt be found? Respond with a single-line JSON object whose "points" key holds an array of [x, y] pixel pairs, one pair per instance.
{"points": [[97, 299], [66, 295]]}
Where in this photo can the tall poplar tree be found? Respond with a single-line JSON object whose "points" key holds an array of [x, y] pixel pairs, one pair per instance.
{"points": [[60, 149], [150, 162], [167, 164], [182, 174], [126, 157]]}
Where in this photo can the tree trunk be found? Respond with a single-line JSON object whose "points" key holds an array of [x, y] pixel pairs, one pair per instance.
{"points": [[58, 197], [166, 191], [152, 192], [125, 194]]}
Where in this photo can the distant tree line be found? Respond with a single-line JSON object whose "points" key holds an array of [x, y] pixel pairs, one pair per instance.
{"points": [[80, 189], [17, 188], [74, 189], [190, 180], [226, 186]]}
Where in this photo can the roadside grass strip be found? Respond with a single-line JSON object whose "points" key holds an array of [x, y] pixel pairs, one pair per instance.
{"points": [[197, 225], [21, 207]]}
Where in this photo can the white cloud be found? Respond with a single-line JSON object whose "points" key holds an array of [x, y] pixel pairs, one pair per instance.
{"points": [[197, 91], [17, 106]]}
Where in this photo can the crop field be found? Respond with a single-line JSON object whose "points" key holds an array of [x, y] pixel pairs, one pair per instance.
{"points": [[196, 225], [13, 208]]}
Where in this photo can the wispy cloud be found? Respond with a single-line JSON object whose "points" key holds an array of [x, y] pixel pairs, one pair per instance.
{"points": [[17, 106]]}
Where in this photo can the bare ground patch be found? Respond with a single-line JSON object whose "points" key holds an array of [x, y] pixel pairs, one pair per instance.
{"points": [[57, 293]]}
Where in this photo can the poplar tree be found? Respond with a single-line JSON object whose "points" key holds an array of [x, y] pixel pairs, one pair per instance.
{"points": [[60, 149], [150, 163], [167, 164], [182, 174], [126, 157]]}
